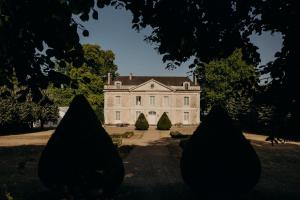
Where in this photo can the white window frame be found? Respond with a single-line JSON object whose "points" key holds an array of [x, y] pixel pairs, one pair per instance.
{"points": [[118, 84], [118, 116], [118, 100], [186, 101], [152, 100], [166, 100], [186, 85], [138, 103], [186, 117]]}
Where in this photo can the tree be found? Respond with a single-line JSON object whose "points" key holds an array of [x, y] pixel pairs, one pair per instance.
{"points": [[33, 39], [89, 78], [80, 159], [164, 122], [141, 123], [229, 82], [229, 169]]}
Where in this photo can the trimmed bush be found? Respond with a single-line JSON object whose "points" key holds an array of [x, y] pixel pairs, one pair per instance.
{"points": [[164, 122], [80, 156], [141, 123], [218, 162]]}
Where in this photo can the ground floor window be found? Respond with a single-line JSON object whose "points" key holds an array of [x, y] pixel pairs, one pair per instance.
{"points": [[137, 114], [186, 116], [118, 113]]}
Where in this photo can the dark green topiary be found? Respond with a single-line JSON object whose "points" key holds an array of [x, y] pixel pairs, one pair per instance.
{"points": [[80, 156], [141, 123], [164, 122], [218, 162]]}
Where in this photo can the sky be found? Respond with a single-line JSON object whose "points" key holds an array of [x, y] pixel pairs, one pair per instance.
{"points": [[133, 55]]}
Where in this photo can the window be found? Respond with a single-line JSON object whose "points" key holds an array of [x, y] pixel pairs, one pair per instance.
{"points": [[137, 114], [138, 100], [152, 100], [166, 100], [118, 100], [186, 116], [186, 101], [152, 86], [118, 85], [186, 86], [118, 113]]}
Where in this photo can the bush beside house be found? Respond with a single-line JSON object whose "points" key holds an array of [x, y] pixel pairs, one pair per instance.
{"points": [[164, 122], [141, 123]]}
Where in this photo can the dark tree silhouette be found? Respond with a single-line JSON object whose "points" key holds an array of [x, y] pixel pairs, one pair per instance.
{"points": [[80, 155], [218, 162], [205, 30]]}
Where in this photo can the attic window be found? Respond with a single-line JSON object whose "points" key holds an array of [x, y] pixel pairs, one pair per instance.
{"points": [[186, 85], [152, 86], [118, 84]]}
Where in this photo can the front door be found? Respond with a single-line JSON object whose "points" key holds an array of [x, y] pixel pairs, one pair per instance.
{"points": [[152, 117]]}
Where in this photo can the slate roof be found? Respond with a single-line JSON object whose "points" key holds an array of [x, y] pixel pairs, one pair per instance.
{"points": [[166, 80]]}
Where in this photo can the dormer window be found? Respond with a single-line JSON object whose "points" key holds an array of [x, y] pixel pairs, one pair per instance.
{"points": [[118, 84], [186, 85]]}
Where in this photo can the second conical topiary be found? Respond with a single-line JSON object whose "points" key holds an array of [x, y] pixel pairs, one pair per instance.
{"points": [[141, 123], [80, 156], [218, 162], [164, 122]]}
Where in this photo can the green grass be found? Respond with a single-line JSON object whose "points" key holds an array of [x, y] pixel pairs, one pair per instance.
{"points": [[18, 172], [280, 179]]}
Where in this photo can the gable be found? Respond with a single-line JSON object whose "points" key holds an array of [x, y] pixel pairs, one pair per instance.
{"points": [[151, 85]]}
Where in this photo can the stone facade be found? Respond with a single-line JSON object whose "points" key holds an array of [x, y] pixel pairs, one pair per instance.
{"points": [[128, 96]]}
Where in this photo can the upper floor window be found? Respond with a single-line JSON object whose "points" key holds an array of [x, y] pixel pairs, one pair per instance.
{"points": [[118, 84], [138, 100], [152, 100], [186, 101], [118, 100], [166, 100], [186, 85]]}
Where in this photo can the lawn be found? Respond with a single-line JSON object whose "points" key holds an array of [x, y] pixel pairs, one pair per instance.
{"points": [[280, 178], [18, 171]]}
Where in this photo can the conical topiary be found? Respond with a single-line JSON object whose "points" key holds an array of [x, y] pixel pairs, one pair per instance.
{"points": [[141, 123], [80, 155], [218, 162], [164, 122]]}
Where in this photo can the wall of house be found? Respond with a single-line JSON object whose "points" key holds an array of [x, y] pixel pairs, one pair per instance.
{"points": [[128, 107]]}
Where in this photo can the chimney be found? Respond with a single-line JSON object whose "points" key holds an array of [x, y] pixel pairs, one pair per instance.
{"points": [[130, 76], [195, 79], [108, 78]]}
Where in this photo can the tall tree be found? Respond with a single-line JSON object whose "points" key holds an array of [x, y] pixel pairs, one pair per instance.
{"points": [[37, 34], [224, 83], [89, 78]]}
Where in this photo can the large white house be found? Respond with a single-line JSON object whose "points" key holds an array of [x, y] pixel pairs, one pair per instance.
{"points": [[126, 97]]}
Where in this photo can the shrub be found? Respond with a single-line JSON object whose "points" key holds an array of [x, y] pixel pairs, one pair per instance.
{"points": [[141, 123], [127, 134], [164, 122], [81, 156], [218, 161], [177, 134]]}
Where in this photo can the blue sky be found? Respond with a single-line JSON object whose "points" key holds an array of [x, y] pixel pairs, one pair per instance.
{"points": [[113, 31]]}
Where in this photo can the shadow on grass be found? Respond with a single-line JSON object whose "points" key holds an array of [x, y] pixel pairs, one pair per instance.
{"points": [[155, 175], [23, 131]]}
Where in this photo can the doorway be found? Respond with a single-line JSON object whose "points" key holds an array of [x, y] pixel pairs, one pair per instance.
{"points": [[152, 117]]}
